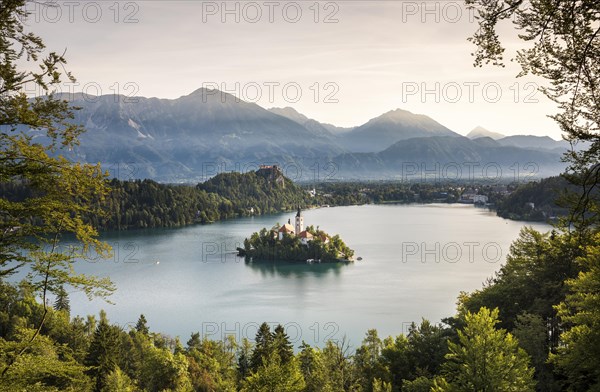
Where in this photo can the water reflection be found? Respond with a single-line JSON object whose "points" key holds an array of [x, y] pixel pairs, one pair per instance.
{"points": [[286, 269]]}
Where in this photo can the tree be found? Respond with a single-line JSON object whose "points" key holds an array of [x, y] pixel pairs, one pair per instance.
{"points": [[313, 369], [263, 347], [419, 384], [532, 332], [531, 281], [194, 342], [340, 371], [61, 194], [368, 362], [282, 345], [427, 348], [212, 365], [117, 381], [243, 359], [273, 376], [44, 367], [381, 386], [103, 353], [578, 359], [62, 300], [564, 50], [142, 325], [162, 370], [485, 359], [396, 357], [563, 40]]}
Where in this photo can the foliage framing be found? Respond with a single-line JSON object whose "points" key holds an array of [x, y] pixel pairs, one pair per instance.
{"points": [[62, 193], [564, 49]]}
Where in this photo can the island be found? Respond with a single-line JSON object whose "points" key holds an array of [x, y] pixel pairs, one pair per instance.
{"points": [[294, 243]]}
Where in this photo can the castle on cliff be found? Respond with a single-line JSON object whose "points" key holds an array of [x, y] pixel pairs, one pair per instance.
{"points": [[273, 173]]}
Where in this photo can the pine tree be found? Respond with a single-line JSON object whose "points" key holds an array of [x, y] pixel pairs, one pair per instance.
{"points": [[282, 345], [62, 300], [104, 352], [194, 342], [142, 325], [263, 347], [244, 358]]}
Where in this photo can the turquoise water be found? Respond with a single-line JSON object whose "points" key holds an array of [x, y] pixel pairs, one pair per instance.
{"points": [[416, 260]]}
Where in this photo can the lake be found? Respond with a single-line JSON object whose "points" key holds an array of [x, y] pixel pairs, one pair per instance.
{"points": [[415, 261]]}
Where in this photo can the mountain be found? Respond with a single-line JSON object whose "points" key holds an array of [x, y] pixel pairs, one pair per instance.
{"points": [[478, 132], [309, 123], [449, 158], [534, 142], [191, 137], [391, 127], [207, 132]]}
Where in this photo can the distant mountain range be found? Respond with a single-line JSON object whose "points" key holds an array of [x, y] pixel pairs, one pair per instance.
{"points": [[309, 123], [524, 141], [535, 143], [201, 134], [452, 158], [482, 132]]}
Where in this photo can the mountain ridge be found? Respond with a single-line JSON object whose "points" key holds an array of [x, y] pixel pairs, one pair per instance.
{"points": [[176, 140], [479, 131]]}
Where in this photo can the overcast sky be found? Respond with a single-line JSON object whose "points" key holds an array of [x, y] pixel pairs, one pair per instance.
{"points": [[340, 62]]}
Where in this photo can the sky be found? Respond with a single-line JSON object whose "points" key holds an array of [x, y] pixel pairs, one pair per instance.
{"points": [[339, 62]]}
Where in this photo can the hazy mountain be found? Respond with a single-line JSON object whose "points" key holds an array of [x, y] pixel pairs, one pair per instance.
{"points": [[391, 127], [448, 157], [534, 142], [183, 137], [478, 132], [309, 123], [207, 132]]}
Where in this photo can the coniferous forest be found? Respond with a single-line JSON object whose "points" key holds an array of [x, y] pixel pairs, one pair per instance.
{"points": [[145, 204], [533, 326]]}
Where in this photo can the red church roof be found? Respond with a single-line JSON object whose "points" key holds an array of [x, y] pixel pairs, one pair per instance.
{"points": [[287, 228], [305, 234]]}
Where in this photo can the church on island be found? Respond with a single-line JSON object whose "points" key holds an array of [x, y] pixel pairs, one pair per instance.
{"points": [[298, 230], [295, 242]]}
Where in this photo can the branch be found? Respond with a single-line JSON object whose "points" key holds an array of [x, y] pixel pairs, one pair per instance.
{"points": [[43, 320], [581, 64]]}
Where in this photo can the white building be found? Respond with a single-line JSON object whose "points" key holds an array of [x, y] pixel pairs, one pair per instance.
{"points": [[480, 199], [286, 229]]}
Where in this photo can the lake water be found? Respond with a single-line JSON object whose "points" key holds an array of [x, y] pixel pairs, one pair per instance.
{"points": [[416, 260]]}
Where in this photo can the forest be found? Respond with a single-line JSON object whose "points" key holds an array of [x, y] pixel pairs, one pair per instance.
{"points": [[142, 204], [537, 201], [146, 204], [533, 326]]}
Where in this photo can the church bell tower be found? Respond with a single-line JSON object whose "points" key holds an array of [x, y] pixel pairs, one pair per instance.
{"points": [[299, 222]]}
